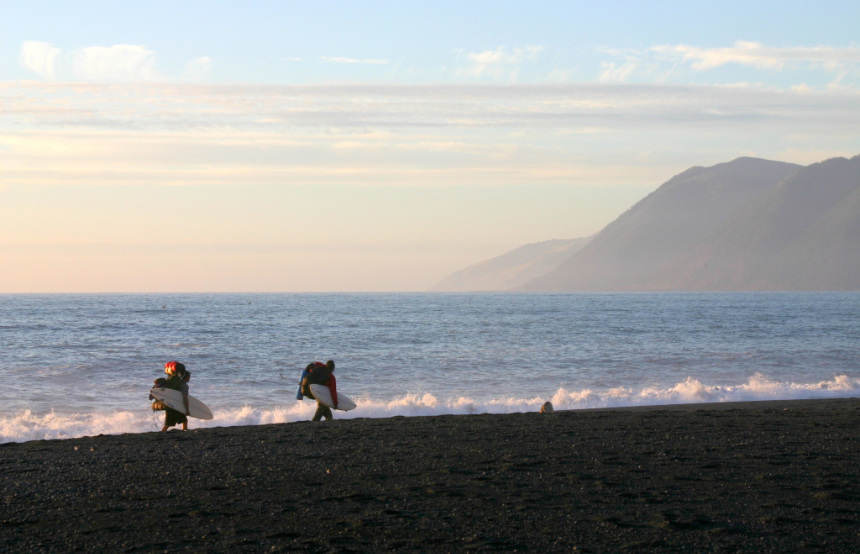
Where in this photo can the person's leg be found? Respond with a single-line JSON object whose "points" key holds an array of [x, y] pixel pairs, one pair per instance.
{"points": [[327, 414], [320, 411], [171, 418]]}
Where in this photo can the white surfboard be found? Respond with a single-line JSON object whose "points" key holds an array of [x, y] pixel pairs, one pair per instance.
{"points": [[322, 394], [173, 398]]}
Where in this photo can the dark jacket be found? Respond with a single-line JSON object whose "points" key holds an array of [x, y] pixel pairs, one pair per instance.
{"points": [[321, 375], [174, 382]]}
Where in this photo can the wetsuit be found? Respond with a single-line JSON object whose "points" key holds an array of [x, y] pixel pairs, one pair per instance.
{"points": [[321, 375]]}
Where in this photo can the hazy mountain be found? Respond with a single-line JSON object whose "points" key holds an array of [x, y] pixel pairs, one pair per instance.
{"points": [[669, 222], [748, 224], [513, 269], [803, 234], [745, 225]]}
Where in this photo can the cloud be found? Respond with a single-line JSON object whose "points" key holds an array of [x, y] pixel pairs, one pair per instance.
{"points": [[501, 56], [615, 73], [118, 63], [394, 107], [40, 58], [759, 56], [329, 59], [494, 135], [501, 63], [198, 69]]}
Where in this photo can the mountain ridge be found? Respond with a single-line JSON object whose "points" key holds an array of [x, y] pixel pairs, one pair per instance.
{"points": [[803, 234], [747, 224]]}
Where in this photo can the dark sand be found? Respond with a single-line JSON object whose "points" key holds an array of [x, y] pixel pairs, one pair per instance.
{"points": [[757, 477]]}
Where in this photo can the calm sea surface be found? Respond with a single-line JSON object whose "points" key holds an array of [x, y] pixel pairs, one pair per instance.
{"points": [[74, 365]]}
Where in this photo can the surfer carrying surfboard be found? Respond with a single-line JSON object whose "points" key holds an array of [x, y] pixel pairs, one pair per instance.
{"points": [[178, 378], [319, 373], [173, 393]]}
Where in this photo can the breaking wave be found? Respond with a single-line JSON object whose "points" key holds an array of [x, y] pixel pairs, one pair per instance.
{"points": [[27, 426]]}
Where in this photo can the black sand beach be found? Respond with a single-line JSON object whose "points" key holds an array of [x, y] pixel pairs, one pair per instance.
{"points": [[757, 477]]}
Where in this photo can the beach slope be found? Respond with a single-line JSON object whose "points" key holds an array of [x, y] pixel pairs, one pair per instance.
{"points": [[771, 476]]}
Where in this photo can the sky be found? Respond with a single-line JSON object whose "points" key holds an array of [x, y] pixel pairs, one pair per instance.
{"points": [[293, 146]]}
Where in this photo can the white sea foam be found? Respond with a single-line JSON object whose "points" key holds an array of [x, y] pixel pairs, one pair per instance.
{"points": [[26, 426]]}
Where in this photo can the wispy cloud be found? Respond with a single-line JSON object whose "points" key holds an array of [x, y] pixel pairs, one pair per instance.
{"points": [[198, 69], [78, 133], [334, 59], [759, 56], [501, 56], [562, 106], [500, 63], [617, 73], [119, 63], [40, 58]]}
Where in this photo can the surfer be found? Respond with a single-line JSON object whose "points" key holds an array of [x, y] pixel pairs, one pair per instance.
{"points": [[319, 373], [178, 378]]}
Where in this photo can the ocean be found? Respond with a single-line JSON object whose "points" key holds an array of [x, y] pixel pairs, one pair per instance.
{"points": [[82, 365]]}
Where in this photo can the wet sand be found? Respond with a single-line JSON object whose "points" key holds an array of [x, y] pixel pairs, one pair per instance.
{"points": [[763, 477]]}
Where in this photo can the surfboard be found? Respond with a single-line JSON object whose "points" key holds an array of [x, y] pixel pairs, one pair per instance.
{"points": [[321, 393], [173, 398]]}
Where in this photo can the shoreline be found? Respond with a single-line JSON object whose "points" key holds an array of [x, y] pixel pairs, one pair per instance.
{"points": [[156, 419], [766, 475]]}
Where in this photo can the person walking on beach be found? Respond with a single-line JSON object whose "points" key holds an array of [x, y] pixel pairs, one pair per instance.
{"points": [[318, 373], [178, 378]]}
